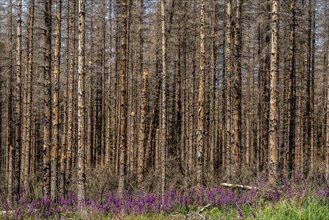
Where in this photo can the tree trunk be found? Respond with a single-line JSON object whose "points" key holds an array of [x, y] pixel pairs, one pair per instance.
{"points": [[123, 98], [307, 148], [10, 140], [163, 128], [201, 97], [213, 115], [28, 101], [109, 87], [292, 92], [141, 144], [62, 187], [55, 104], [47, 102], [81, 105], [326, 68], [70, 103], [18, 100], [228, 72], [103, 103], [273, 159], [312, 70], [236, 93], [90, 103]]}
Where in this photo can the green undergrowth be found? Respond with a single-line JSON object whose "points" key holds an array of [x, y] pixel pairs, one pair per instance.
{"points": [[308, 209], [311, 208], [303, 203]]}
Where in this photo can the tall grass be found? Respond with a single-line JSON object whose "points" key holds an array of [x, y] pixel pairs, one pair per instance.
{"points": [[292, 201]]}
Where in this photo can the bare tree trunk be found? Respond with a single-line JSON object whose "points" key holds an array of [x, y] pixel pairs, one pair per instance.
{"points": [[327, 139], [163, 129], [292, 92], [32, 142], [142, 125], [28, 101], [223, 111], [309, 140], [236, 93], [191, 111], [249, 151], [312, 69], [90, 149], [63, 151], [130, 156], [157, 151], [123, 98], [109, 106], [213, 126], [131, 110], [201, 101], [263, 102], [81, 105], [228, 72], [10, 140], [70, 103], [103, 103], [141, 144], [326, 68], [90, 115], [283, 149], [191, 101], [299, 137], [273, 159], [116, 131], [55, 104], [259, 108], [47, 102], [178, 110], [18, 100]]}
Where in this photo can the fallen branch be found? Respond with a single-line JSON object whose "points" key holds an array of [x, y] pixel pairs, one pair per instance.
{"points": [[202, 209], [244, 187], [197, 214], [238, 186]]}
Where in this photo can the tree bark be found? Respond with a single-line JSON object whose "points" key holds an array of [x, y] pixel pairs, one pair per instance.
{"points": [[63, 151], [212, 98], [70, 103], [201, 97], [236, 93], [141, 144], [10, 140], [123, 98], [81, 105], [309, 135], [326, 68], [103, 103], [18, 100], [163, 128], [228, 72], [109, 95], [292, 92], [312, 69], [28, 101], [47, 102], [55, 104], [273, 159]]}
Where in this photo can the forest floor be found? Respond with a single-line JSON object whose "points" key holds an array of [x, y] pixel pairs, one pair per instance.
{"points": [[312, 209], [290, 201]]}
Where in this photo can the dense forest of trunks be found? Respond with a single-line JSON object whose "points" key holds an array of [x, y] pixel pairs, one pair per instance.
{"points": [[189, 92]]}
